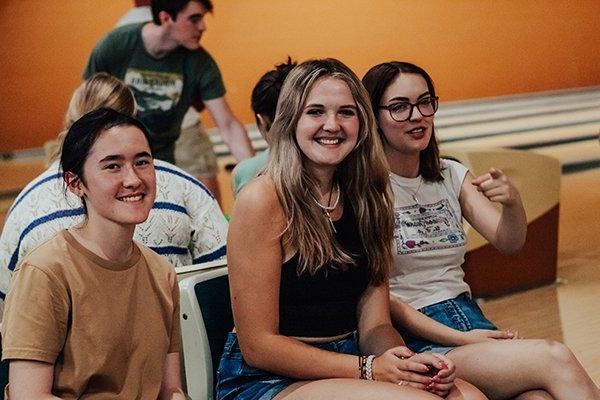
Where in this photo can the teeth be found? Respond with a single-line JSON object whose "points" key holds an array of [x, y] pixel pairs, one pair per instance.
{"points": [[416, 130], [131, 198], [328, 141]]}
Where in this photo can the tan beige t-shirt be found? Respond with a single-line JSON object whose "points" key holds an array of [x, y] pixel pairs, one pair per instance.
{"points": [[107, 327]]}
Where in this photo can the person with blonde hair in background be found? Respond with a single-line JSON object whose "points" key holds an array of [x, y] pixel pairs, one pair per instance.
{"points": [[308, 257], [101, 90], [185, 225]]}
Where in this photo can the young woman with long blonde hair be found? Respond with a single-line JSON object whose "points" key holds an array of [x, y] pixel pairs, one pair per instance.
{"points": [[308, 256]]}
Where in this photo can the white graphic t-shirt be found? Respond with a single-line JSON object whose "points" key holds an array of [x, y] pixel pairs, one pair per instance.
{"points": [[429, 240], [162, 90]]}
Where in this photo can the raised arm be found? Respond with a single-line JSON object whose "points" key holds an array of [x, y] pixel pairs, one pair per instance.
{"points": [[504, 223], [255, 254], [233, 132]]}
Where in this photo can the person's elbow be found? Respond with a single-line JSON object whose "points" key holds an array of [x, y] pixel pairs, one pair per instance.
{"points": [[254, 356], [257, 353]]}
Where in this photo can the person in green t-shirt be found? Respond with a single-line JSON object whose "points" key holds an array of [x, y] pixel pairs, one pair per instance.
{"points": [[166, 68], [264, 103]]}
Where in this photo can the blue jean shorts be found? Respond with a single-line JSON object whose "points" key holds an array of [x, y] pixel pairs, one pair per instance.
{"points": [[238, 380], [461, 313]]}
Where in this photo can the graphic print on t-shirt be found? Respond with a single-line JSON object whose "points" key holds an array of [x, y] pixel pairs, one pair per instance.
{"points": [[419, 228], [156, 94]]}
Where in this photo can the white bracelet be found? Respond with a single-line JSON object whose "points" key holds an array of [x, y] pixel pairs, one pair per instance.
{"points": [[369, 367]]}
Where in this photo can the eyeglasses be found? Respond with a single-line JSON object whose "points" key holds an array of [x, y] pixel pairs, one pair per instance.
{"points": [[402, 110]]}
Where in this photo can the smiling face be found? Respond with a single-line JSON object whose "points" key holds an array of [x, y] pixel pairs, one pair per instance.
{"points": [[413, 135], [327, 130], [118, 182], [189, 25]]}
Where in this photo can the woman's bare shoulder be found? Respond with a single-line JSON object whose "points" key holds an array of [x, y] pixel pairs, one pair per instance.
{"points": [[259, 193], [258, 200]]}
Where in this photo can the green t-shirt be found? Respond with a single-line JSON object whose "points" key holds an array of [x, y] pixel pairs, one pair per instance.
{"points": [[164, 88], [248, 169]]}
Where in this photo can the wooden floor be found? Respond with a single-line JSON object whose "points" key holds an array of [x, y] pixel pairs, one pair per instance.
{"points": [[568, 311]]}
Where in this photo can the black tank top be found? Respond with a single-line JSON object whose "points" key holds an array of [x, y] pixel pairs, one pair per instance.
{"points": [[324, 304]]}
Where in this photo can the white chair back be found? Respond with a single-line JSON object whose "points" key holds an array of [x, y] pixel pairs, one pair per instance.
{"points": [[206, 318]]}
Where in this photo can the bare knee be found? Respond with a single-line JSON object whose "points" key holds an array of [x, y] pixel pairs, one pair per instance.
{"points": [[557, 352], [561, 362]]}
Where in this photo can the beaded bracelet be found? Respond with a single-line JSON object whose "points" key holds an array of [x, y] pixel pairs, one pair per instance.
{"points": [[369, 367], [361, 366]]}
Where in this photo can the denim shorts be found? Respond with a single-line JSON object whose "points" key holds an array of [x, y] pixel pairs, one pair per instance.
{"points": [[238, 380], [461, 313]]}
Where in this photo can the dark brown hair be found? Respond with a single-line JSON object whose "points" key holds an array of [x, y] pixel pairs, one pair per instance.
{"points": [[266, 91], [174, 7], [376, 81]]}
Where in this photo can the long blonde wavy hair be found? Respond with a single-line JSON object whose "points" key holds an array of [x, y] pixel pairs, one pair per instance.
{"points": [[362, 176], [100, 90]]}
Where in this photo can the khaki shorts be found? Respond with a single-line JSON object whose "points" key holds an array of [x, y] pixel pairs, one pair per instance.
{"points": [[194, 152]]}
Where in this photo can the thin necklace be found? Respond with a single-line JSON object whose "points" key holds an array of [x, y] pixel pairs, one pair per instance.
{"points": [[414, 194], [411, 193], [327, 209]]}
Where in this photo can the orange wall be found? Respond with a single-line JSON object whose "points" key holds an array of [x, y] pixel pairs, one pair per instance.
{"points": [[472, 48]]}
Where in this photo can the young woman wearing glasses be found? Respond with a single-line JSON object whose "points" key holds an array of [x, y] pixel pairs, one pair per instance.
{"points": [[431, 195]]}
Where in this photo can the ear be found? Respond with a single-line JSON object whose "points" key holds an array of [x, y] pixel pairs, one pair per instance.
{"points": [[164, 17], [73, 183], [263, 124]]}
